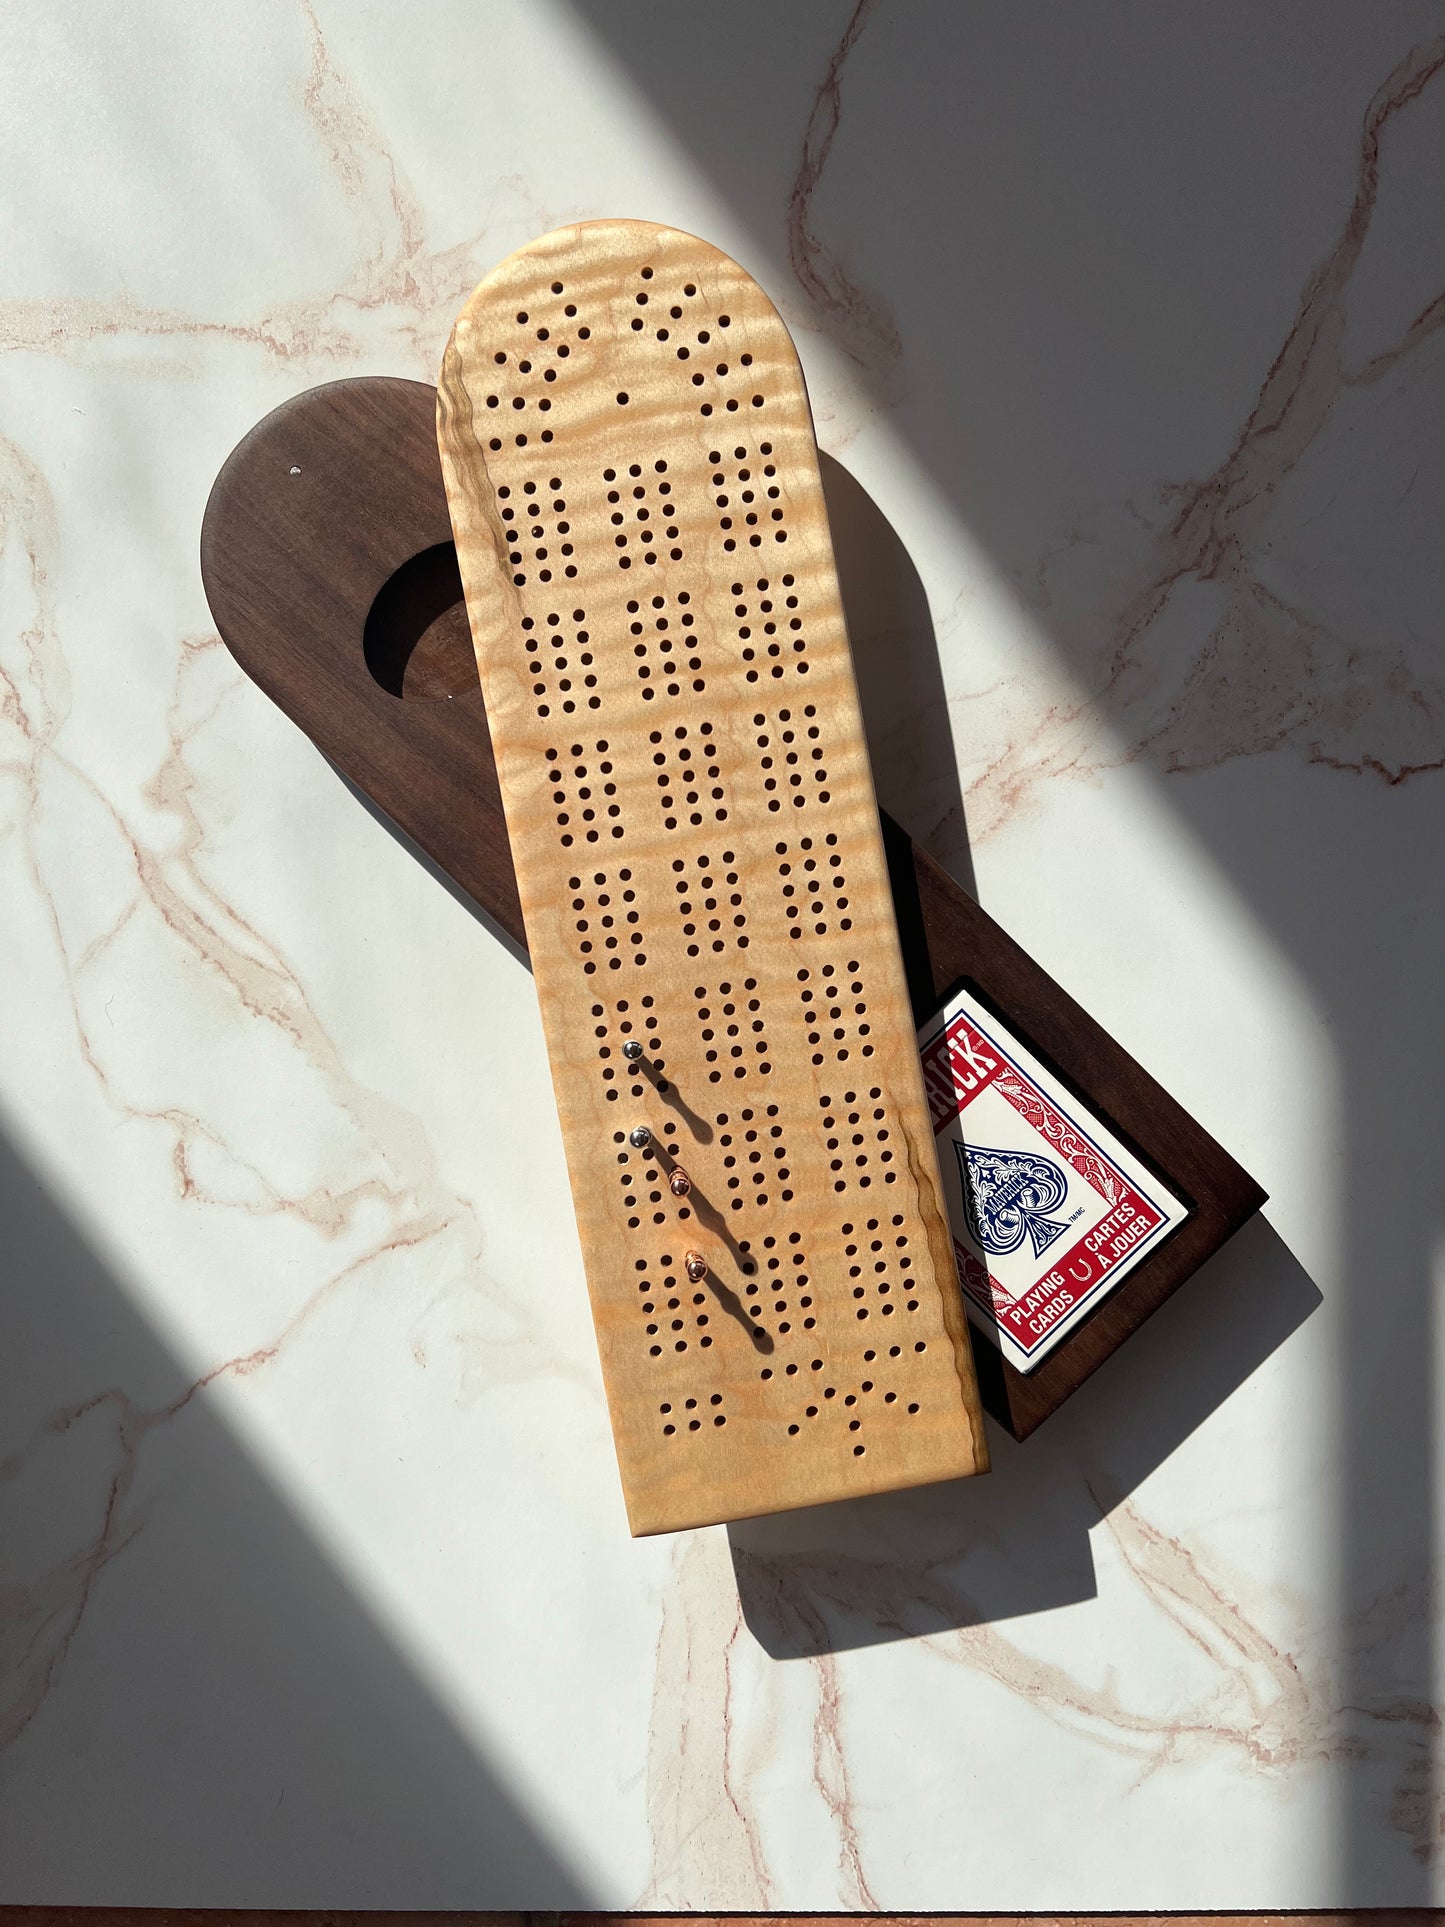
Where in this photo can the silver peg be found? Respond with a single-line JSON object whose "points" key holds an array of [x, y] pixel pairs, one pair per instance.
{"points": [[632, 1050], [639, 1137]]}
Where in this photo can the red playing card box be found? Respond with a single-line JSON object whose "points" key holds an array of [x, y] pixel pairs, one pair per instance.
{"points": [[1050, 1212]]}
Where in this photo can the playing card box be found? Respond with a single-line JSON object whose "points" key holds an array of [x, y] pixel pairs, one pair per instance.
{"points": [[1050, 1212], [959, 960]]}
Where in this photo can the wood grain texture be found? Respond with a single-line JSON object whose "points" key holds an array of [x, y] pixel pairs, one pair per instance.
{"points": [[629, 458], [315, 513]]}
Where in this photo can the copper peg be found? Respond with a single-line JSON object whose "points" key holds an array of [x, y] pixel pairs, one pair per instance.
{"points": [[696, 1267], [679, 1183]]}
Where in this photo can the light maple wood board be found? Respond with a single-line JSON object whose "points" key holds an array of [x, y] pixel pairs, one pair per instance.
{"points": [[633, 484]]}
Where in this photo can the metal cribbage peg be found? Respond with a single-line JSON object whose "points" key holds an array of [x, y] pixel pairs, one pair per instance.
{"points": [[696, 1267], [679, 1183], [632, 1050], [639, 1137]]}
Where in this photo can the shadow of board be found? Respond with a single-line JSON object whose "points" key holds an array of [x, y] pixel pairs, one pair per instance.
{"points": [[209, 1715], [909, 1564]]}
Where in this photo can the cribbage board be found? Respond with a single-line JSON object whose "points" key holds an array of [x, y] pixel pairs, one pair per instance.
{"points": [[633, 483]]}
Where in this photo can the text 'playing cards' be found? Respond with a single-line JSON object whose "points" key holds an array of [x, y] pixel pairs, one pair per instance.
{"points": [[1049, 1211]]}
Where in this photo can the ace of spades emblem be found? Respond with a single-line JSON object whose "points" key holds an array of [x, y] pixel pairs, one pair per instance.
{"points": [[1007, 1196]]}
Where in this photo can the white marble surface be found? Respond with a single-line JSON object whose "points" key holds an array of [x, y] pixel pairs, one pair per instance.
{"points": [[314, 1581]]}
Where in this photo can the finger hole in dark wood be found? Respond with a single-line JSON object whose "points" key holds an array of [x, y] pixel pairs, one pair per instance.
{"points": [[417, 642]]}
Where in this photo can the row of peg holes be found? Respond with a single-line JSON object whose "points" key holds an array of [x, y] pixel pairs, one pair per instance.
{"points": [[783, 755], [591, 788], [548, 347], [808, 877], [662, 1301], [746, 508], [771, 1244], [827, 1393], [642, 512], [877, 1124], [616, 919], [824, 999], [858, 1128], [536, 640], [625, 1028], [702, 338], [852, 1401], [548, 638], [732, 1033], [758, 1153], [900, 1262], [525, 365], [777, 636], [732, 406], [654, 1175], [695, 1406], [697, 771], [772, 1288], [644, 296], [718, 906], [643, 614], [530, 505], [870, 1357]]}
